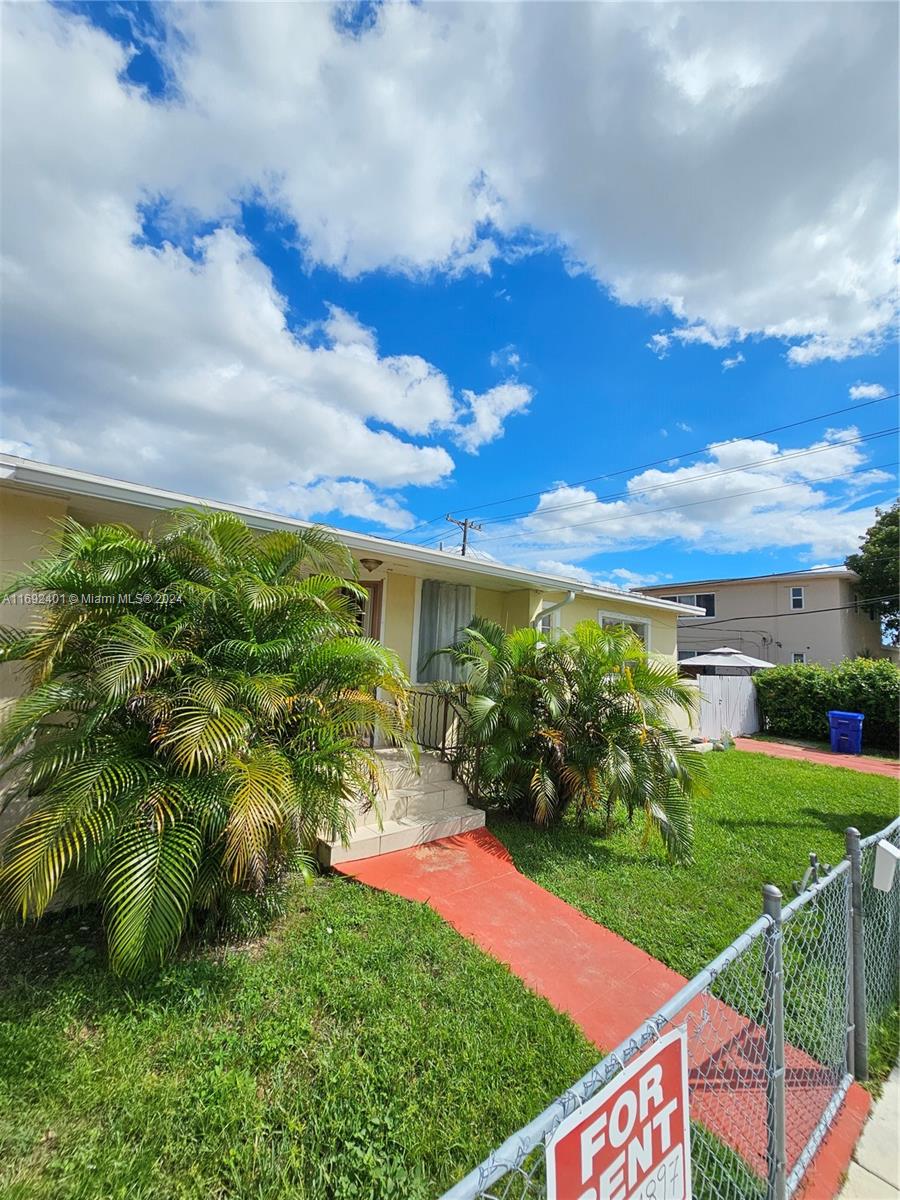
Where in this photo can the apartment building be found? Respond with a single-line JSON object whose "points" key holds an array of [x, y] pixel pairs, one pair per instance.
{"points": [[791, 617]]}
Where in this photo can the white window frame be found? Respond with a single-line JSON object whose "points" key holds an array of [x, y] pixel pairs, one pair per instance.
{"points": [[691, 599], [627, 619], [802, 598], [798, 658], [417, 611]]}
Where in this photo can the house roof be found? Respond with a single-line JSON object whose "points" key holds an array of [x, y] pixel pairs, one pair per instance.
{"points": [[27, 475], [836, 572]]}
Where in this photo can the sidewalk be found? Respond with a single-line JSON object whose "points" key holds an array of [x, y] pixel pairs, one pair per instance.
{"points": [[853, 762], [874, 1173]]}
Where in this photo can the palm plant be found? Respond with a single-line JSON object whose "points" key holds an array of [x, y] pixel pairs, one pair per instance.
{"points": [[579, 720], [193, 721]]}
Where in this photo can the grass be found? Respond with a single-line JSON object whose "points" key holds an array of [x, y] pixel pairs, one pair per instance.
{"points": [[758, 824], [810, 744], [364, 1049]]}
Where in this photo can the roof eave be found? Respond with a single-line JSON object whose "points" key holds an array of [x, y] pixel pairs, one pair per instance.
{"points": [[49, 478]]}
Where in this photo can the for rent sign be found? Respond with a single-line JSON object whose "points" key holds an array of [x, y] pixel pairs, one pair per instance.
{"points": [[632, 1140]]}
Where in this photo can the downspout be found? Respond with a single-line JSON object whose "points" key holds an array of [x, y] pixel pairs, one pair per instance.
{"points": [[545, 612]]}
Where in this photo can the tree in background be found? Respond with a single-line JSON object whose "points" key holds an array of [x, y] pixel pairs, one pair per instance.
{"points": [[193, 723], [876, 563]]}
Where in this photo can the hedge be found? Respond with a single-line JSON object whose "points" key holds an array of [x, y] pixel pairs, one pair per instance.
{"points": [[795, 701]]}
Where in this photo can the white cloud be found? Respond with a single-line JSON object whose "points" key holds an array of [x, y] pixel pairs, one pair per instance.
{"points": [[734, 361], [347, 496], [554, 566], [507, 358], [765, 203], [867, 391], [685, 428], [483, 415], [772, 497], [177, 365]]}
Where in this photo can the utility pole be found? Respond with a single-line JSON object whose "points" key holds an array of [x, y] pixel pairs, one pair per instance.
{"points": [[465, 525]]}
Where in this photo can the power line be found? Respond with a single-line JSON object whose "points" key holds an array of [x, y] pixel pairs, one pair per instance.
{"points": [[700, 623], [777, 458], [536, 535], [661, 461]]}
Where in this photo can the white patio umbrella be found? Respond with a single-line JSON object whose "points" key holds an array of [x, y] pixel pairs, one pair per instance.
{"points": [[725, 656]]}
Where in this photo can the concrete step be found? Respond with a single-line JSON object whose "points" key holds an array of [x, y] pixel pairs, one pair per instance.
{"points": [[418, 800], [369, 840], [401, 769]]}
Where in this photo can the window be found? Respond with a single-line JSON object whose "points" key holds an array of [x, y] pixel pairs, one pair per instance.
{"points": [[704, 600], [445, 609], [798, 656], [642, 628], [683, 654], [550, 620], [796, 597]]}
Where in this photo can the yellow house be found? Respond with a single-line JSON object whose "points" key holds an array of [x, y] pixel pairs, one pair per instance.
{"points": [[419, 598]]}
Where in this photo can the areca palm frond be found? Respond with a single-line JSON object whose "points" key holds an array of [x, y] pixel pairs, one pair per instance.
{"points": [[581, 720], [179, 754]]}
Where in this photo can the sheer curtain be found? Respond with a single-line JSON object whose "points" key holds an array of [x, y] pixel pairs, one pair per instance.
{"points": [[445, 610]]}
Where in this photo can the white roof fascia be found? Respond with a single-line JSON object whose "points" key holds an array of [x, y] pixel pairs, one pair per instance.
{"points": [[25, 472]]}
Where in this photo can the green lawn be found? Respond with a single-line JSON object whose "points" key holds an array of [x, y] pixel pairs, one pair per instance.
{"points": [[758, 825], [364, 1050]]}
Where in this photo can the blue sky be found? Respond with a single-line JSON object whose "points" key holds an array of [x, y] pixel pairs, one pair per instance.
{"points": [[281, 266]]}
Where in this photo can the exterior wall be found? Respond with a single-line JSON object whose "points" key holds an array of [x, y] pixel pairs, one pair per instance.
{"points": [[399, 607], [743, 620], [26, 527], [663, 625], [489, 605]]}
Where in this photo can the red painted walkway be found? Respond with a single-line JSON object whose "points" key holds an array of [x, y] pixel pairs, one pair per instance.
{"points": [[854, 762], [608, 986]]}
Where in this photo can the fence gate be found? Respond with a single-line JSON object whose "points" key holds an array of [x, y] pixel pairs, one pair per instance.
{"points": [[727, 702]]}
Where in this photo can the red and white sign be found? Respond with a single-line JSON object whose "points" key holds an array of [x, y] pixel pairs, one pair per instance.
{"points": [[632, 1140]]}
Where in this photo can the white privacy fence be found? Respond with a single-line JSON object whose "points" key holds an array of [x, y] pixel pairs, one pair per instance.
{"points": [[727, 702]]}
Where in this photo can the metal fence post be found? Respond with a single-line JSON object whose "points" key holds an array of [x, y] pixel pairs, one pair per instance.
{"points": [[773, 972], [860, 1057]]}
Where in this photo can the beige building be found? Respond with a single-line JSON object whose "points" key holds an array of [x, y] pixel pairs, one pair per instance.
{"points": [[418, 598], [799, 616]]}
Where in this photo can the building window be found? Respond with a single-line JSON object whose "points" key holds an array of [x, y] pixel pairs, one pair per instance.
{"points": [[796, 597], [683, 654], [798, 656], [549, 621], [704, 600], [612, 620], [445, 610]]}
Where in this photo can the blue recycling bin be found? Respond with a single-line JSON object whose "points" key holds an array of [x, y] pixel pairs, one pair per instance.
{"points": [[846, 732]]}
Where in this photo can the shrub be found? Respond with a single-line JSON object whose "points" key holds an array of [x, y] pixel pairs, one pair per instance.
{"points": [[580, 720], [795, 701], [181, 756]]}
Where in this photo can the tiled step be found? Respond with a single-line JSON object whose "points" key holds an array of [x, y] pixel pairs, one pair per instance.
{"points": [[368, 840], [402, 771]]}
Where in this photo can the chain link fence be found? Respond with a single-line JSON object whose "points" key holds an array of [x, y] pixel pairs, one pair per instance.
{"points": [[776, 1029]]}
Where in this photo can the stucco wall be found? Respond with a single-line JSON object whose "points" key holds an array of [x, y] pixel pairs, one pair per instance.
{"points": [[756, 618], [399, 614], [26, 529], [663, 634]]}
